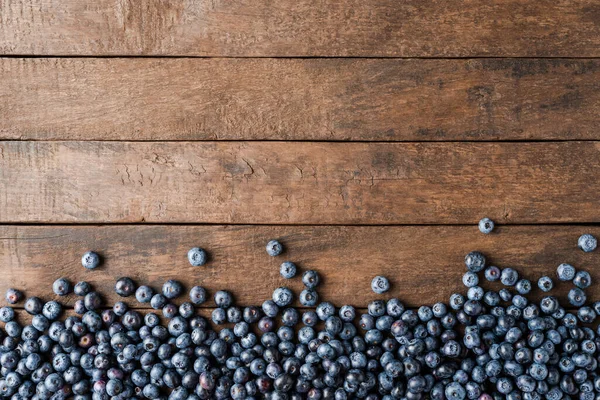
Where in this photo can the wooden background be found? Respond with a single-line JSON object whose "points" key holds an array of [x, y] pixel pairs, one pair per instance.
{"points": [[369, 136]]}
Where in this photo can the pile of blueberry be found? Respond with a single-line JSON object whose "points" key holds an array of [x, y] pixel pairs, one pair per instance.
{"points": [[484, 344]]}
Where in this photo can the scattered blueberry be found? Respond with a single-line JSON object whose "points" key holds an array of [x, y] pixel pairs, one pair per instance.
{"points": [[545, 283], [311, 279], [380, 284], [582, 280], [144, 294], [587, 243], [197, 256], [197, 295], [61, 287], [125, 287], [90, 260], [172, 289], [274, 248], [82, 288], [13, 296], [486, 225], [475, 261], [287, 270], [565, 272]]}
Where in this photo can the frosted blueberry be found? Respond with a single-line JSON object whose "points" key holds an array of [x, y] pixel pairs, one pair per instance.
{"points": [[470, 279], [475, 261], [197, 295], [287, 270], [172, 289], [282, 296], [582, 280], [308, 298], [545, 283], [380, 284], [124, 287], [565, 272], [197, 256], [13, 296], [577, 297], [90, 260], [587, 243], [274, 248], [509, 277], [61, 287], [486, 225]]}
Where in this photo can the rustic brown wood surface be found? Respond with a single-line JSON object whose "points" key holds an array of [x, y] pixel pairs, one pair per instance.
{"points": [[411, 28], [298, 182], [299, 99], [424, 264]]}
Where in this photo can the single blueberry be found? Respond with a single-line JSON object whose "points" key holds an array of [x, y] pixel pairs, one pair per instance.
{"points": [[287, 270], [274, 248], [197, 256], [380, 284], [475, 261], [90, 260], [545, 283], [486, 225], [587, 243]]}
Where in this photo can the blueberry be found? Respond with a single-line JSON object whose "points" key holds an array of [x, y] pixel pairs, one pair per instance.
{"points": [[274, 248], [577, 297], [125, 287], [347, 313], [587, 243], [144, 294], [310, 279], [492, 273], [565, 272], [582, 280], [475, 261], [61, 287], [13, 296], [197, 295], [51, 310], [82, 288], [545, 283], [470, 279], [287, 270], [90, 260], [92, 301], [380, 284], [282, 296], [308, 298], [7, 314], [172, 289], [158, 301], [197, 256], [455, 391], [486, 225], [33, 305], [509, 277], [223, 299]]}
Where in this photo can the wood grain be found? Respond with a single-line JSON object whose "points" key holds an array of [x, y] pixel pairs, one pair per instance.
{"points": [[424, 263], [298, 182], [410, 28], [299, 99]]}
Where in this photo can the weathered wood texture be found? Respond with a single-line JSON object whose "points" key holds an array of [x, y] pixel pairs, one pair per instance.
{"points": [[299, 99], [301, 28], [306, 183], [424, 264]]}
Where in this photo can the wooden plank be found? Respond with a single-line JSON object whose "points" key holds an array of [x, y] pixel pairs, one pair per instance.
{"points": [[299, 182], [424, 263], [299, 99], [410, 28]]}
